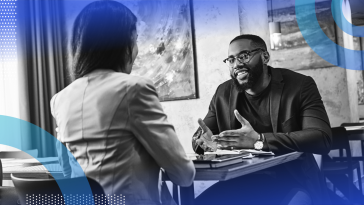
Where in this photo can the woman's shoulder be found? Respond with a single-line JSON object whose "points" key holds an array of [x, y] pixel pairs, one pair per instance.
{"points": [[132, 80], [112, 82]]}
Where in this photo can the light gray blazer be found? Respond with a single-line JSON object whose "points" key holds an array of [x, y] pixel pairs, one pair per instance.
{"points": [[114, 126]]}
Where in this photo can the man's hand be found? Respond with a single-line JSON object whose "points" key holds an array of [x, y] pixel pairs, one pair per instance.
{"points": [[243, 138], [205, 140]]}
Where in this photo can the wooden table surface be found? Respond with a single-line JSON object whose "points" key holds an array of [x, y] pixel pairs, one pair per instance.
{"points": [[246, 167], [206, 174]]}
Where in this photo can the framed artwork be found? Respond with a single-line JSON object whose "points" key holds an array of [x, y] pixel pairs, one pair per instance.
{"points": [[166, 47], [294, 53]]}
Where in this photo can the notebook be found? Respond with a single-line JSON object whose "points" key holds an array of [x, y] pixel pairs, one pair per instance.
{"points": [[216, 161]]}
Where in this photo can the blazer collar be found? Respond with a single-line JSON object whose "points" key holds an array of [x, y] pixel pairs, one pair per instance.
{"points": [[274, 98], [232, 104], [100, 71]]}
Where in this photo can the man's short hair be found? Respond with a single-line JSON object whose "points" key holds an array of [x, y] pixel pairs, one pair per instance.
{"points": [[257, 41]]}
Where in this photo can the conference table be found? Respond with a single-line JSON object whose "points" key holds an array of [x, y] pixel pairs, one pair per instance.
{"points": [[247, 166]]}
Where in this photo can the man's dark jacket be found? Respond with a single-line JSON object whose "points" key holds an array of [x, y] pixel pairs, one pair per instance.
{"points": [[299, 120]]}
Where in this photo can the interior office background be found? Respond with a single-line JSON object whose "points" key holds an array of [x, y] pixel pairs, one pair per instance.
{"points": [[28, 81]]}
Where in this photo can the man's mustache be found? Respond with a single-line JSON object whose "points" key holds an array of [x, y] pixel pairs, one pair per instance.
{"points": [[239, 68]]}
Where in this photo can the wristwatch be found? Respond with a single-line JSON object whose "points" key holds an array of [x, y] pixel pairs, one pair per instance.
{"points": [[258, 145]]}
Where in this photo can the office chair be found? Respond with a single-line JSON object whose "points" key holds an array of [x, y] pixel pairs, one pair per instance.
{"points": [[17, 155], [342, 166], [46, 190], [356, 135], [29, 154], [8, 195]]}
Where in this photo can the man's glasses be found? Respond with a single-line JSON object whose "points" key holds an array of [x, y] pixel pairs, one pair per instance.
{"points": [[242, 57]]}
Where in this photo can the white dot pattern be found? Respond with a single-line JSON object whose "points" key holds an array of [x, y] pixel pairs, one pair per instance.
{"points": [[8, 54], [74, 199]]}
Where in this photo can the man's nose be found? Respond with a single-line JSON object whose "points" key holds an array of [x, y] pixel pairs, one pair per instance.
{"points": [[237, 63]]}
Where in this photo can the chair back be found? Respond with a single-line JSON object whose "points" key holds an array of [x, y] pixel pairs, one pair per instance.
{"points": [[42, 187], [350, 124], [29, 154], [356, 135], [340, 141], [16, 154]]}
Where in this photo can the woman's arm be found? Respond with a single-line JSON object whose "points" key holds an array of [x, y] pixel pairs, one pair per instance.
{"points": [[150, 126], [61, 149]]}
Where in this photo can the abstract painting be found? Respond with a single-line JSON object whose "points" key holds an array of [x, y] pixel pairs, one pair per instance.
{"points": [[166, 47], [294, 52]]}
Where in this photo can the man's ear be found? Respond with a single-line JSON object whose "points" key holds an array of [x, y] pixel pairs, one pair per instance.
{"points": [[266, 57]]}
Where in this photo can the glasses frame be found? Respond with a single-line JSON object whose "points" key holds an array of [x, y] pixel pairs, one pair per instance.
{"points": [[236, 58]]}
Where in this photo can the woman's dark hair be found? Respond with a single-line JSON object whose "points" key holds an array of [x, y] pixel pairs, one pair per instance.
{"points": [[102, 37]]}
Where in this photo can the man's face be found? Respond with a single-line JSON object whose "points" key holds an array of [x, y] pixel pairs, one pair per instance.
{"points": [[245, 75]]}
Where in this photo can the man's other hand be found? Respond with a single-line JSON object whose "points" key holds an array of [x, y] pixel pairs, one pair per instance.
{"points": [[243, 138]]}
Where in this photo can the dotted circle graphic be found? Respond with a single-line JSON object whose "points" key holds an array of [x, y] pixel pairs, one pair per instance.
{"points": [[74, 199]]}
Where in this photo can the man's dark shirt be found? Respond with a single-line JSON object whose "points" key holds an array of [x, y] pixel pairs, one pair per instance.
{"points": [[255, 109]]}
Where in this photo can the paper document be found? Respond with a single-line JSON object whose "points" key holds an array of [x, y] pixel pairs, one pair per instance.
{"points": [[252, 151], [256, 152]]}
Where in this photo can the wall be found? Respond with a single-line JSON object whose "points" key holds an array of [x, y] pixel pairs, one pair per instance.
{"points": [[331, 83]]}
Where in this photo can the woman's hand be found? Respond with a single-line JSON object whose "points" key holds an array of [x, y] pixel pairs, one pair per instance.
{"points": [[205, 141]]}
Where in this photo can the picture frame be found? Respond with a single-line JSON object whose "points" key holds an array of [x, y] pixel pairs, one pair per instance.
{"points": [[166, 47]]}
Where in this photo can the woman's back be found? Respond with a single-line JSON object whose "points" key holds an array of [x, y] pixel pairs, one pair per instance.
{"points": [[114, 126]]}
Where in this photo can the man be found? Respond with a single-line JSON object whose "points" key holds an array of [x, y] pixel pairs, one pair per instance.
{"points": [[272, 109]]}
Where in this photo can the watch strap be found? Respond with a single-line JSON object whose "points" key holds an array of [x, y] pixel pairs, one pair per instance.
{"points": [[261, 137]]}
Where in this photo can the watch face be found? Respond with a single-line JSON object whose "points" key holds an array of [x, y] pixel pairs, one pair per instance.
{"points": [[258, 145]]}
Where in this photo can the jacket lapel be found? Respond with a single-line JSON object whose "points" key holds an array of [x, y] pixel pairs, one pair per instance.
{"points": [[232, 104], [275, 96]]}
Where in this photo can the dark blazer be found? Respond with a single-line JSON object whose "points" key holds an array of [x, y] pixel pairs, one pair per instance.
{"points": [[299, 121]]}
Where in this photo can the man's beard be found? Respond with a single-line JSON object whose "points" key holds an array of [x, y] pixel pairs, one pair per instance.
{"points": [[253, 75]]}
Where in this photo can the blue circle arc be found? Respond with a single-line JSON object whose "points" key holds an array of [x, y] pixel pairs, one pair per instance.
{"points": [[319, 42], [12, 129], [344, 24]]}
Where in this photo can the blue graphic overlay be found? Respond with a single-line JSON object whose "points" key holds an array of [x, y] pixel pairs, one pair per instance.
{"points": [[13, 128], [357, 31], [308, 20]]}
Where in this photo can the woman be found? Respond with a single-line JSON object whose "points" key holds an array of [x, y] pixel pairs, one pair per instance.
{"points": [[112, 122]]}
